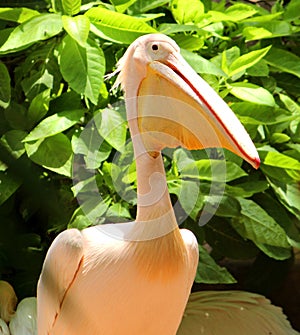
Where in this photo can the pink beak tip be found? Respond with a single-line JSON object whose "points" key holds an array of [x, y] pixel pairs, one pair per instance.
{"points": [[256, 162]]}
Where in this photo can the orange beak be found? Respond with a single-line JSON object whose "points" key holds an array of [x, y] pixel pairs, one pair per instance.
{"points": [[176, 107]]}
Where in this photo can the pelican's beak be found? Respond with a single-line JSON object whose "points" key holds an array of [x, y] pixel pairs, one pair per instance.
{"points": [[176, 107]]}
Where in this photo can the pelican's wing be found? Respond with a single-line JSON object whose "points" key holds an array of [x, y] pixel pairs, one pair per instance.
{"points": [[4, 328], [233, 313], [191, 245], [59, 271]]}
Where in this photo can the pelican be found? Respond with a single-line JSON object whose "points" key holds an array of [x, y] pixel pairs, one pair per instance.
{"points": [[24, 320], [4, 328], [8, 301], [135, 278]]}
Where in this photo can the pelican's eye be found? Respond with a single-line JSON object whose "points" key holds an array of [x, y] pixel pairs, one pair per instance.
{"points": [[154, 47]]}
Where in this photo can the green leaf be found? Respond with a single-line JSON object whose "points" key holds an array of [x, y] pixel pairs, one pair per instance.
{"points": [[213, 170], [278, 253], [292, 10], [252, 93], [5, 90], [117, 27], [260, 69], [91, 145], [247, 60], [38, 28], [189, 196], [226, 241], [280, 215], [255, 114], [16, 116], [187, 12], [8, 185], [258, 226], [256, 33], [269, 29], [71, 7], [172, 28], [290, 104], [38, 108], [279, 138], [77, 27], [284, 60], [288, 194], [55, 124], [112, 127], [17, 14], [189, 42], [247, 189], [53, 153], [119, 211], [239, 12], [235, 13], [225, 59], [142, 6], [82, 68], [13, 142], [122, 5], [209, 272], [279, 160], [79, 220], [200, 64]]}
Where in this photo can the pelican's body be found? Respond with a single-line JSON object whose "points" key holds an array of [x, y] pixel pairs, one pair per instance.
{"points": [[8, 301], [233, 313], [24, 320], [135, 278], [4, 328], [108, 285]]}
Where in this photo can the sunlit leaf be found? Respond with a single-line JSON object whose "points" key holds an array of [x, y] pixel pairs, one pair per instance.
{"points": [[82, 67], [17, 14], [257, 114], [187, 12], [213, 170], [91, 145], [142, 6], [252, 93], [200, 64], [71, 7], [112, 127], [288, 194], [247, 60], [279, 160], [38, 108], [247, 189], [36, 29], [53, 153], [117, 27], [77, 27], [55, 124], [284, 60], [240, 11]]}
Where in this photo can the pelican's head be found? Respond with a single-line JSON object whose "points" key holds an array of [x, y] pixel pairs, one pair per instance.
{"points": [[171, 105]]}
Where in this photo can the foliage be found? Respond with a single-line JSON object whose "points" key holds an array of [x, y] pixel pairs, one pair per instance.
{"points": [[53, 60]]}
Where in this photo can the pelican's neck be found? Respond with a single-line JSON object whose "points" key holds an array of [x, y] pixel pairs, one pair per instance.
{"points": [[153, 199]]}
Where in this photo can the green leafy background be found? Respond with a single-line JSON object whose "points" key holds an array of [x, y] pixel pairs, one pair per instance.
{"points": [[53, 57]]}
